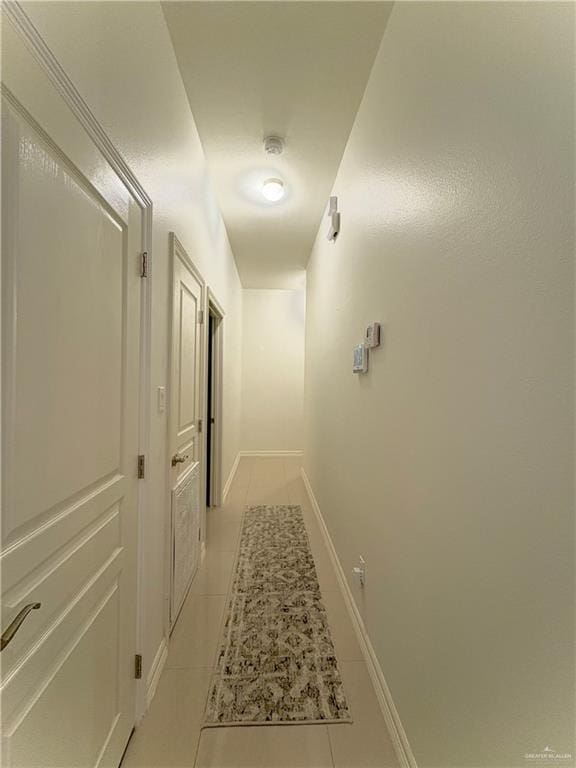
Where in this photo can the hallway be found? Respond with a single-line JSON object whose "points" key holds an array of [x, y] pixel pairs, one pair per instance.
{"points": [[170, 736], [288, 384]]}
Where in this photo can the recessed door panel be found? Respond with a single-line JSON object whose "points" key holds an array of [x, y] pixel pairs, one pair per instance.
{"points": [[187, 360], [65, 406], [90, 662]]}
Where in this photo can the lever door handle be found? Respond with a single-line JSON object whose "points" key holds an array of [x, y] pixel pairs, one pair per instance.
{"points": [[14, 626], [178, 459]]}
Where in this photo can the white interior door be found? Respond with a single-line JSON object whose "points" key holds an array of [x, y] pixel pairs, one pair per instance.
{"points": [[71, 240], [185, 423]]}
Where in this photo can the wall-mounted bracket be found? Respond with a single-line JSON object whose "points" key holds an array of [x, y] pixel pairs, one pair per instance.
{"points": [[334, 215]]}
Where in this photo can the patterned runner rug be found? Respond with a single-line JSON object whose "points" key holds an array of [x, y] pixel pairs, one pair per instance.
{"points": [[276, 663]]}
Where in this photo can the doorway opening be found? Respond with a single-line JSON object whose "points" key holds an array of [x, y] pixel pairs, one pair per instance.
{"points": [[214, 359]]}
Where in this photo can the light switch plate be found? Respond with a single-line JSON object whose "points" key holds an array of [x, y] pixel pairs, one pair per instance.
{"points": [[360, 359], [161, 399]]}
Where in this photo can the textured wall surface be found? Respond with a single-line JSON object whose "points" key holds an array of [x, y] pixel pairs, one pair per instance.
{"points": [[449, 466]]}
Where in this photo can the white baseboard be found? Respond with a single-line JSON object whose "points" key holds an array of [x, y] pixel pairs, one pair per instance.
{"points": [[155, 671], [404, 753], [228, 483], [272, 454]]}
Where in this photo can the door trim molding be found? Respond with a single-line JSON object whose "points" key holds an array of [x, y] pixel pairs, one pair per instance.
{"points": [[66, 88], [398, 735], [177, 249], [214, 306], [156, 669], [17, 16]]}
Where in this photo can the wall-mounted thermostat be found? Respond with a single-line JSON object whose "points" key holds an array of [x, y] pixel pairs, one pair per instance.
{"points": [[360, 359], [373, 335]]}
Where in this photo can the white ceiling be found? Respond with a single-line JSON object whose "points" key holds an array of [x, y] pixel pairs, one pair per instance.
{"points": [[294, 69]]}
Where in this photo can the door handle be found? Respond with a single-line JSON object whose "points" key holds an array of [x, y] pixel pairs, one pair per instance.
{"points": [[14, 626], [178, 459]]}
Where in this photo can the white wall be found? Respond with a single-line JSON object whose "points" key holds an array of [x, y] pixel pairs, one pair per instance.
{"points": [[273, 370], [119, 56], [449, 466]]}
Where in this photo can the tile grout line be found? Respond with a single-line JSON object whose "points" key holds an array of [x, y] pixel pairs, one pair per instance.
{"points": [[330, 746]]}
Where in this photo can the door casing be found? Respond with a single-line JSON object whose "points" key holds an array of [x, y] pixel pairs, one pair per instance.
{"points": [[215, 309]]}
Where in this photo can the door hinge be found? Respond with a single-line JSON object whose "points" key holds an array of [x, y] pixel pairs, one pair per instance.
{"points": [[200, 424], [138, 666], [144, 264], [141, 466], [200, 316]]}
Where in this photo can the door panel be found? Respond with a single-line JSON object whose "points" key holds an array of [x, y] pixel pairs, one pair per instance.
{"points": [[70, 358], [76, 291], [185, 413], [186, 538], [89, 661], [187, 361]]}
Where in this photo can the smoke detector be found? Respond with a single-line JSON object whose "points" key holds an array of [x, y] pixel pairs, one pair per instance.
{"points": [[273, 145]]}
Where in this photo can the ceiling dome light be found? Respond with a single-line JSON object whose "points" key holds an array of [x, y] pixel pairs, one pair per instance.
{"points": [[273, 190]]}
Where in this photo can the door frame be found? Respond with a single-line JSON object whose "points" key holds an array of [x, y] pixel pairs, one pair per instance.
{"points": [[17, 16], [215, 309], [177, 251]]}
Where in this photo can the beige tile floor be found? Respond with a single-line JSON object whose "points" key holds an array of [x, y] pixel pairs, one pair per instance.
{"points": [[170, 735]]}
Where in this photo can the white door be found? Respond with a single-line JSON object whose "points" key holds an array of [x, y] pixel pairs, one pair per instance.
{"points": [[71, 238], [185, 423]]}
